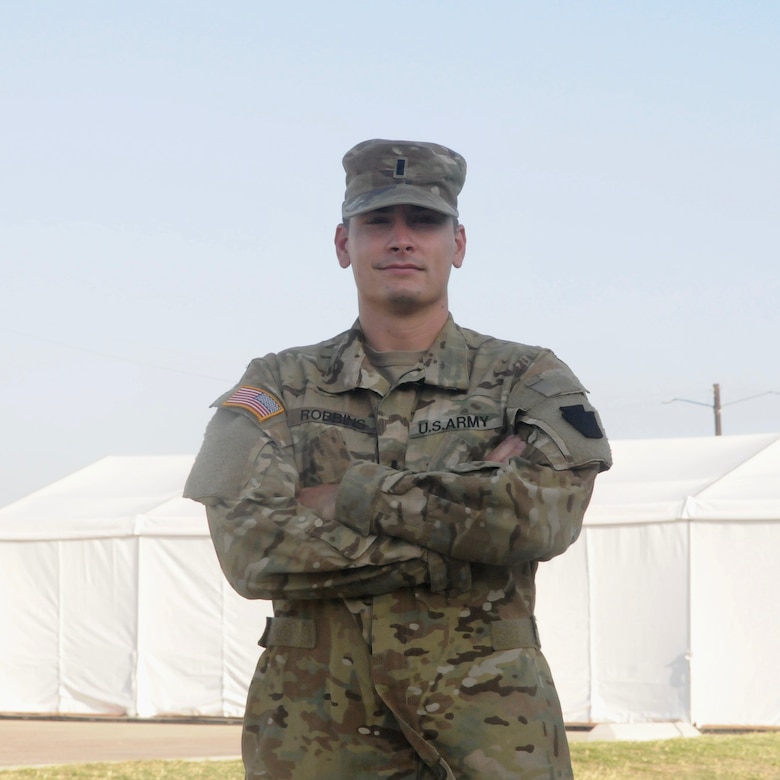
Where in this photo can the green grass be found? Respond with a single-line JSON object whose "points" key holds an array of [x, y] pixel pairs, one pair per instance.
{"points": [[710, 757], [134, 770], [721, 757]]}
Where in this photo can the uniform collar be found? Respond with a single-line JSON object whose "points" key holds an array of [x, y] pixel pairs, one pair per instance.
{"points": [[444, 365]]}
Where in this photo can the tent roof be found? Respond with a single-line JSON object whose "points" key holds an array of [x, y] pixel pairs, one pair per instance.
{"points": [[135, 495], [708, 478]]}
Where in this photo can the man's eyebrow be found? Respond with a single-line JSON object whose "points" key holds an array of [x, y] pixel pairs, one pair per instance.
{"points": [[426, 210], [413, 209]]}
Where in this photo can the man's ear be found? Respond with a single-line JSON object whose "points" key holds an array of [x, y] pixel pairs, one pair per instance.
{"points": [[460, 246], [340, 240]]}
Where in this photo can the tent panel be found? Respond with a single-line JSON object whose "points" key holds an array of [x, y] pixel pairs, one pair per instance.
{"points": [[98, 637], [639, 617], [563, 617], [29, 626], [180, 650], [735, 624], [244, 623]]}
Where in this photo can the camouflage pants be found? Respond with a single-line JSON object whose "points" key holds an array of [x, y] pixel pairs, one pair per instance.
{"points": [[453, 706]]}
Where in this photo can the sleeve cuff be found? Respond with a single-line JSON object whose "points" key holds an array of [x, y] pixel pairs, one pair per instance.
{"points": [[357, 495]]}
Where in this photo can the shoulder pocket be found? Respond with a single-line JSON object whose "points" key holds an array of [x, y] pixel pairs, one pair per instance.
{"points": [[557, 404]]}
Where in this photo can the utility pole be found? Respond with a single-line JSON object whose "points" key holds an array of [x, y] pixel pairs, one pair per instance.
{"points": [[716, 408]]}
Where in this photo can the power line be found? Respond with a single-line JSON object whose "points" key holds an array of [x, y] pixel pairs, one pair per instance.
{"points": [[110, 356], [716, 405]]}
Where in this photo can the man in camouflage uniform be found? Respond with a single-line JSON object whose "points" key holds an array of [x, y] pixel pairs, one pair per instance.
{"points": [[393, 490]]}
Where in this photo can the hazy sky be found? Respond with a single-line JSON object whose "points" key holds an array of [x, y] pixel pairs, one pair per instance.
{"points": [[170, 180]]}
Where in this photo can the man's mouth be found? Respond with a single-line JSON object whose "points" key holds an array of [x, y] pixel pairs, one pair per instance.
{"points": [[401, 267]]}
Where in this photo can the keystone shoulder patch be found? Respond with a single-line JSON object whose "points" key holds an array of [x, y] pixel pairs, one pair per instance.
{"points": [[583, 420]]}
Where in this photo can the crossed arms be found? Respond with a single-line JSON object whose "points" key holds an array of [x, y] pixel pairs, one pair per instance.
{"points": [[379, 529]]}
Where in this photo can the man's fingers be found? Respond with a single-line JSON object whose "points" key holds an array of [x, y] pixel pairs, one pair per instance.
{"points": [[321, 499], [510, 447]]}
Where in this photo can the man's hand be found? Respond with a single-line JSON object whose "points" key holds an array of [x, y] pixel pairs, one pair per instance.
{"points": [[510, 447], [321, 499]]}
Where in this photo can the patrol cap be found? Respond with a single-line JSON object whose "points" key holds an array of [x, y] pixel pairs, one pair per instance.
{"points": [[390, 173]]}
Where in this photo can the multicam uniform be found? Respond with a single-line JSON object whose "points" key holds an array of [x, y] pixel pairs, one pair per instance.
{"points": [[403, 643]]}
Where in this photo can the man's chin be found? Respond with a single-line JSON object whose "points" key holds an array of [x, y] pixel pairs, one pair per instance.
{"points": [[405, 303]]}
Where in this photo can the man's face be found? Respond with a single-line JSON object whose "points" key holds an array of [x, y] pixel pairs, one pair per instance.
{"points": [[401, 257]]}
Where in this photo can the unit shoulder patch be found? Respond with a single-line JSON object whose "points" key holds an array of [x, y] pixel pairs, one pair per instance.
{"points": [[262, 404], [583, 420]]}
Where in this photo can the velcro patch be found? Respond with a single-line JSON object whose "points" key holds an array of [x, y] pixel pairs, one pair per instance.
{"points": [[583, 420], [261, 403]]}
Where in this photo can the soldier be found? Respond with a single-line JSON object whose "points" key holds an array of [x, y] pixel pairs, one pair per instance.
{"points": [[393, 490]]}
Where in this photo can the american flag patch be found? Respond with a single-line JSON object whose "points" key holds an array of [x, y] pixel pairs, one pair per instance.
{"points": [[260, 402]]}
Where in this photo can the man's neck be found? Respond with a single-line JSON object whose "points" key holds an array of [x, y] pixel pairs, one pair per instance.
{"points": [[411, 333]]}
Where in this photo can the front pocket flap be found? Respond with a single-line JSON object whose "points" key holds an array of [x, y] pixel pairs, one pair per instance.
{"points": [[509, 634], [289, 632]]}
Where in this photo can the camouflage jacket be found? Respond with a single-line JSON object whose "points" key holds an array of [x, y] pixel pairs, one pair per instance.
{"points": [[420, 515], [416, 498]]}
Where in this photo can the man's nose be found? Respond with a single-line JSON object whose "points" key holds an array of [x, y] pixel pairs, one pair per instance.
{"points": [[401, 237]]}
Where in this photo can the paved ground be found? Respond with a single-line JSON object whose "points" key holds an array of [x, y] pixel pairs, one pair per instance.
{"points": [[34, 742], [41, 742]]}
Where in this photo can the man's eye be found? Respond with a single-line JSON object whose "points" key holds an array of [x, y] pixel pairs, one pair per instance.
{"points": [[427, 219]]}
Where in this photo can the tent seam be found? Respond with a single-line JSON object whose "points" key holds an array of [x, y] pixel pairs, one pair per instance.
{"points": [[733, 469]]}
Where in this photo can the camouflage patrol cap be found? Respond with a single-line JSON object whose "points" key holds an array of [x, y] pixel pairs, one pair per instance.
{"points": [[391, 173]]}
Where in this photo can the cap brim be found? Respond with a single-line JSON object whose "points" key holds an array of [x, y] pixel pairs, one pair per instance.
{"points": [[397, 195]]}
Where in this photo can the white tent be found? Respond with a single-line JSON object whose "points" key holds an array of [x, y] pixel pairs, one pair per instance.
{"points": [[112, 602], [666, 608]]}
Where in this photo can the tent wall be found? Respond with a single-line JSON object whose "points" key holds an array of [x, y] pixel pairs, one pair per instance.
{"points": [[112, 601], [665, 622], [97, 624], [735, 623], [639, 607], [130, 626], [563, 616], [30, 600], [197, 644], [641, 622], [613, 618]]}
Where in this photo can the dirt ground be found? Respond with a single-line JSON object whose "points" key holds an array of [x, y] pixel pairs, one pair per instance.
{"points": [[39, 742]]}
